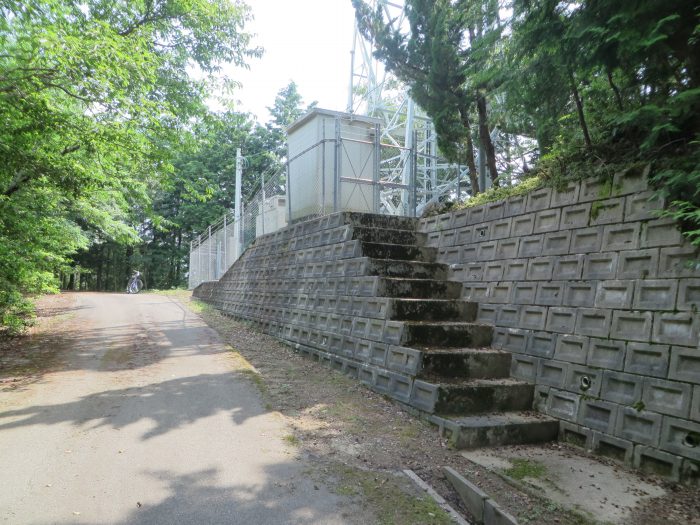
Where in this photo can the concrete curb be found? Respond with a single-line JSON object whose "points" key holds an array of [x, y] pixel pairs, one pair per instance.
{"points": [[456, 517], [485, 510]]}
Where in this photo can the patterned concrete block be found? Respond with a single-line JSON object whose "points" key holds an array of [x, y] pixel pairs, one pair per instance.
{"points": [[594, 188], [494, 210], [667, 397], [523, 225], [549, 293], [524, 292], [577, 435], [572, 348], [632, 180], [530, 246], [631, 326], [695, 405], [563, 405], [463, 235], [487, 313], [606, 445], [656, 294], [424, 396], [482, 232], [600, 265], [586, 240], [556, 243], [515, 205], [638, 264], [568, 267], [625, 389], [685, 364], [547, 220], [598, 415], [469, 253], [515, 270], [681, 328], [561, 320], [508, 316], [647, 359], [593, 321], [500, 292], [486, 251], [541, 344], [584, 380], [540, 268], [378, 354], [576, 216], [539, 199], [459, 218], [681, 437], [608, 211], [579, 294], [533, 317], [500, 229], [515, 340], [606, 353], [661, 232], [621, 236], [524, 367], [400, 387], [507, 248], [476, 215], [678, 262], [614, 294], [475, 292], [566, 195], [643, 206], [656, 462], [493, 271], [473, 271], [638, 426], [689, 295]]}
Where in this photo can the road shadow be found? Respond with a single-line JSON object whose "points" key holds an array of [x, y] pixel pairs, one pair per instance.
{"points": [[168, 405]]}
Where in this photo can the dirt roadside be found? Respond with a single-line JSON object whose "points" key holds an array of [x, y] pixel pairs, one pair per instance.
{"points": [[357, 440]]}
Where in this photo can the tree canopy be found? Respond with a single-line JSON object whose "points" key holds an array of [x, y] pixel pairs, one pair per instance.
{"points": [[94, 96]]}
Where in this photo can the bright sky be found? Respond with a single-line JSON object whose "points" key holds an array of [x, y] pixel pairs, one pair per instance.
{"points": [[307, 41]]}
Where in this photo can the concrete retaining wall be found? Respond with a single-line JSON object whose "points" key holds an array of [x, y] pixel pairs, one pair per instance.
{"points": [[593, 294]]}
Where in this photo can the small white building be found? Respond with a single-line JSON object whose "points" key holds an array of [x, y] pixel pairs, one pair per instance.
{"points": [[333, 164]]}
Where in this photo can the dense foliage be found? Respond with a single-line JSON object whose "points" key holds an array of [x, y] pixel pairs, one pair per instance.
{"points": [[94, 96], [601, 85]]}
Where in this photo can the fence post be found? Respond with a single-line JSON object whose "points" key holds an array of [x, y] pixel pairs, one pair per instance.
{"points": [[262, 207], [225, 243], [209, 256], [376, 167], [414, 172], [338, 161]]}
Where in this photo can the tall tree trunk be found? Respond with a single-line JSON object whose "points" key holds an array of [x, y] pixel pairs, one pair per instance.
{"points": [[579, 109], [471, 165], [616, 90], [485, 138]]}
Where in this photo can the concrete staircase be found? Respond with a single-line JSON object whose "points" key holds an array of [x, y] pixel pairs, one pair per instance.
{"points": [[463, 384]]}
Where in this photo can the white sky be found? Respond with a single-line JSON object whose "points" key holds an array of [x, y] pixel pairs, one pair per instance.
{"points": [[307, 41]]}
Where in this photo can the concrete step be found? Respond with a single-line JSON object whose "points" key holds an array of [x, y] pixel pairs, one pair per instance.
{"points": [[418, 288], [447, 334], [432, 310], [372, 220], [407, 269], [384, 235], [469, 363], [404, 252], [475, 396], [494, 430]]}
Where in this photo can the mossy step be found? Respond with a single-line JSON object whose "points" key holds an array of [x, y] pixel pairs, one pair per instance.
{"points": [[450, 334], [471, 363], [399, 287], [479, 396], [373, 220], [388, 236], [507, 428], [407, 269], [404, 252], [432, 310]]}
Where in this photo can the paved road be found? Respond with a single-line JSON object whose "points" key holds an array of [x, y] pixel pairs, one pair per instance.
{"points": [[144, 423]]}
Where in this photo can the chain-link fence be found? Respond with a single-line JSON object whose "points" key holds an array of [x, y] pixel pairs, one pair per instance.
{"points": [[335, 164]]}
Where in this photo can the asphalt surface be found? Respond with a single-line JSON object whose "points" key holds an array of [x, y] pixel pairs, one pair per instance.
{"points": [[146, 422]]}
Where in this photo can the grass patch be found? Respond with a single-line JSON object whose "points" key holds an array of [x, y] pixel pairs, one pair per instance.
{"points": [[389, 497], [503, 192], [525, 468], [291, 439]]}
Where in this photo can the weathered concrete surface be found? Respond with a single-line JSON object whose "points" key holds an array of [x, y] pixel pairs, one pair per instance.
{"points": [[146, 422]]}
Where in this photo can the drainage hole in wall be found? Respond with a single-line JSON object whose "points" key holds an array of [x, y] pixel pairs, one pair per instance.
{"points": [[586, 382], [691, 440]]}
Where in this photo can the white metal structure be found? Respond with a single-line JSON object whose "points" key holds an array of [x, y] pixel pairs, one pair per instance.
{"points": [[376, 93]]}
